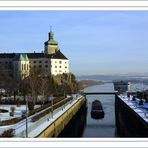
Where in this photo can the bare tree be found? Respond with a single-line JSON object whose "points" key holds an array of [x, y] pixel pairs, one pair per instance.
{"points": [[8, 82], [44, 90]]}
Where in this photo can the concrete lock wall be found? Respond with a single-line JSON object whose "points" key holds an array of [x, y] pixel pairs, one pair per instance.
{"points": [[55, 128], [128, 122]]}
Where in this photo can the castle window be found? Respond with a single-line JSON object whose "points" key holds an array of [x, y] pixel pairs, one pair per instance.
{"points": [[46, 66], [65, 62], [55, 61], [46, 61], [34, 66], [40, 66], [60, 66], [60, 62], [55, 66], [40, 61], [6, 62], [27, 66], [34, 61], [60, 71], [24, 66], [65, 66]]}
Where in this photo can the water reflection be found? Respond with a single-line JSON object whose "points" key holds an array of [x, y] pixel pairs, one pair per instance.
{"points": [[103, 127], [83, 125]]}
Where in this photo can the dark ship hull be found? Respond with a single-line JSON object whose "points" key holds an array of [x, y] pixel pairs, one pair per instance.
{"points": [[97, 110]]}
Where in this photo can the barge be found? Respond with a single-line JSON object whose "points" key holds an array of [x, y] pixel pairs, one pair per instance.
{"points": [[97, 110]]}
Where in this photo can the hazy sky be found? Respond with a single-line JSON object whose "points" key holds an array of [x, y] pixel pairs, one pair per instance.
{"points": [[96, 42]]}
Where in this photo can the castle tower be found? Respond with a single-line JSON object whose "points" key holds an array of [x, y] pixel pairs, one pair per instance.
{"points": [[51, 46]]}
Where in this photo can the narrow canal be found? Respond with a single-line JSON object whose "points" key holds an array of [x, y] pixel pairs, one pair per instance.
{"points": [[84, 126], [103, 127]]}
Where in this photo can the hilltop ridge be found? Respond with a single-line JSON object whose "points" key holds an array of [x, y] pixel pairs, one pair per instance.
{"points": [[86, 83]]}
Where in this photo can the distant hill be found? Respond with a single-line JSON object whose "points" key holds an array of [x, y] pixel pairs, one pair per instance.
{"points": [[134, 78], [86, 83]]}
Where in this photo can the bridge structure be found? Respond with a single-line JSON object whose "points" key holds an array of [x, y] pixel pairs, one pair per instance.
{"points": [[100, 93], [106, 93]]}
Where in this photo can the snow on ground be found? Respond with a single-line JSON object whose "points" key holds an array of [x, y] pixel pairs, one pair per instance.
{"points": [[17, 113], [12, 98], [141, 110], [35, 128], [49, 120]]}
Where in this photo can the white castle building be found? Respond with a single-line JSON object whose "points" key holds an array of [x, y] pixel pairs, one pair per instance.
{"points": [[52, 61]]}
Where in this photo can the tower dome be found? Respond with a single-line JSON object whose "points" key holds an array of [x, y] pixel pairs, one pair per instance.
{"points": [[51, 46], [51, 35]]}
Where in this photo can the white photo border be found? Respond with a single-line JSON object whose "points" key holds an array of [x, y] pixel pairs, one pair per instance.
{"points": [[74, 142]]}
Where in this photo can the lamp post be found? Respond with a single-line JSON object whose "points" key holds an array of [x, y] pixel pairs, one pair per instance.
{"points": [[51, 99], [26, 117], [63, 85], [143, 92], [142, 97], [52, 106], [136, 91], [64, 96]]}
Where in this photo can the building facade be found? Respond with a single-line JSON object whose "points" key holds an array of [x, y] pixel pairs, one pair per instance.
{"points": [[52, 61], [122, 86]]}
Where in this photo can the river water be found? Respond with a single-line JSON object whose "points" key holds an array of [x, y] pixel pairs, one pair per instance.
{"points": [[85, 126], [103, 127]]}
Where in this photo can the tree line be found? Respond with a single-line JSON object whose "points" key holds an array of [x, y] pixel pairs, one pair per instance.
{"points": [[37, 84]]}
